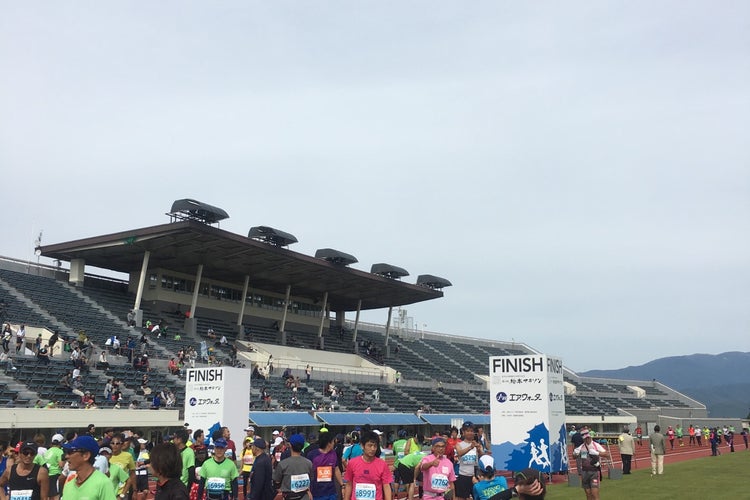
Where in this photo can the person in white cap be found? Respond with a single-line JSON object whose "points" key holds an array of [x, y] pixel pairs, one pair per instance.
{"points": [[53, 458]]}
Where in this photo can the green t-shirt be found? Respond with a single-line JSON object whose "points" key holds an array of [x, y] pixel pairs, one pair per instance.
{"points": [[219, 476], [95, 487], [118, 477], [412, 459], [398, 449], [52, 458], [188, 460]]}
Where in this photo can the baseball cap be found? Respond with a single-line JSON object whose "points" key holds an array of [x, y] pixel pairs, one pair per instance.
{"points": [[250, 428], [275, 433], [105, 449], [378, 432], [297, 439], [278, 441], [437, 440], [260, 443], [220, 443], [26, 445], [467, 424], [142, 441], [486, 461], [82, 443], [58, 438]]}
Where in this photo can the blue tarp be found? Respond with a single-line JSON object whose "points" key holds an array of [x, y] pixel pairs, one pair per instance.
{"points": [[445, 418], [282, 418], [375, 419]]}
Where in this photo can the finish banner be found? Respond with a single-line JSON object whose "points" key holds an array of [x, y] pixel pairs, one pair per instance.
{"points": [[217, 397], [527, 413]]}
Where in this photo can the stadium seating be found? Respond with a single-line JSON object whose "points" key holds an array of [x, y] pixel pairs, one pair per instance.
{"points": [[438, 373]]}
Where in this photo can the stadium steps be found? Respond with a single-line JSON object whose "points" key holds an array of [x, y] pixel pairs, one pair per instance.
{"points": [[22, 309]]}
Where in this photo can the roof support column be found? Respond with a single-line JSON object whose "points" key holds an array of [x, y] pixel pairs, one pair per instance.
{"points": [[388, 333], [139, 292], [241, 315], [356, 326], [282, 328], [322, 320], [191, 323]]}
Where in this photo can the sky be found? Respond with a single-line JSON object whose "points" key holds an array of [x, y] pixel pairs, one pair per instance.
{"points": [[578, 170]]}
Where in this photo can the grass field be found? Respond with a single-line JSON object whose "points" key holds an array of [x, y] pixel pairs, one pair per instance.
{"points": [[705, 478]]}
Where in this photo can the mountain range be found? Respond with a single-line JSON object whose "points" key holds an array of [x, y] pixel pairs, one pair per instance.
{"points": [[720, 381]]}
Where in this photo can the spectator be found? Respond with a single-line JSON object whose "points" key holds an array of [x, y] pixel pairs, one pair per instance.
{"points": [[658, 445], [627, 449], [20, 338], [103, 362], [42, 355]]}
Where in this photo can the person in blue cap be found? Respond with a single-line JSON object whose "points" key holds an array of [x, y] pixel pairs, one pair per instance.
{"points": [[218, 476], [86, 483], [294, 473], [261, 480]]}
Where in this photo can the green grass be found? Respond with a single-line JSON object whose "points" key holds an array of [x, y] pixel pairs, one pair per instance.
{"points": [[705, 478]]}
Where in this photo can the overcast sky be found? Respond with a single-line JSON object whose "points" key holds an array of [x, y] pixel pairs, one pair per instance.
{"points": [[578, 170]]}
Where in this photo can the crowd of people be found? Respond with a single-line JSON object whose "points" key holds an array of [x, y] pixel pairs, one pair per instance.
{"points": [[192, 465]]}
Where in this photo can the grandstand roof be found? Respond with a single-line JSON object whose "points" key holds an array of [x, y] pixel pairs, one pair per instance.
{"points": [[182, 246]]}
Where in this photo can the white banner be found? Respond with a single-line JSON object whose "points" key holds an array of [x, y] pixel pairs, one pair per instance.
{"points": [[527, 409], [217, 397]]}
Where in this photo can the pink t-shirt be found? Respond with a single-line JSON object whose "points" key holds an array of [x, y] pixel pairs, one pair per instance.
{"points": [[368, 478], [437, 479]]}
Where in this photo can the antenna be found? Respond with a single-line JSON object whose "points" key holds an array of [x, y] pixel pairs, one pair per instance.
{"points": [[38, 246]]}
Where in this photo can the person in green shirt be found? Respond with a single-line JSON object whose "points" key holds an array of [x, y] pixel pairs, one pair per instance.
{"points": [[87, 483], [53, 459], [119, 478], [219, 475], [408, 471], [180, 440]]}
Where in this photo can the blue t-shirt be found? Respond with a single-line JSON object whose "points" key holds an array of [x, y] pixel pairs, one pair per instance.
{"points": [[353, 452], [484, 489]]}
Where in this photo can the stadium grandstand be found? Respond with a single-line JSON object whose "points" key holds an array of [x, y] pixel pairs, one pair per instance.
{"points": [[204, 295]]}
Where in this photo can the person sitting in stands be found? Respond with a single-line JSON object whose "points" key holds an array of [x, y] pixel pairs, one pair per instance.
{"points": [[210, 332], [43, 355], [173, 368], [103, 363]]}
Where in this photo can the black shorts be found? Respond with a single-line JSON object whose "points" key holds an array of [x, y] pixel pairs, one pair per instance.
{"points": [[590, 479], [464, 486], [53, 486], [406, 474]]}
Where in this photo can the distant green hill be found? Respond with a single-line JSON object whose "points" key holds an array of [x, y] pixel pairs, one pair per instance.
{"points": [[721, 381]]}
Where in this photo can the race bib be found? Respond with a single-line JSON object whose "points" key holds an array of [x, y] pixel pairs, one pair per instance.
{"points": [[299, 482], [248, 459], [21, 494], [215, 484], [141, 472], [365, 491], [400, 455], [324, 474], [439, 483], [469, 458]]}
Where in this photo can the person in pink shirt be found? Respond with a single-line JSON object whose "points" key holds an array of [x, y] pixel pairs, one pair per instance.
{"points": [[367, 476], [437, 471]]}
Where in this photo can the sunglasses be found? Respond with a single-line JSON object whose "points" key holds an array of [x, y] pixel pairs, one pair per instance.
{"points": [[115, 442], [28, 452]]}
